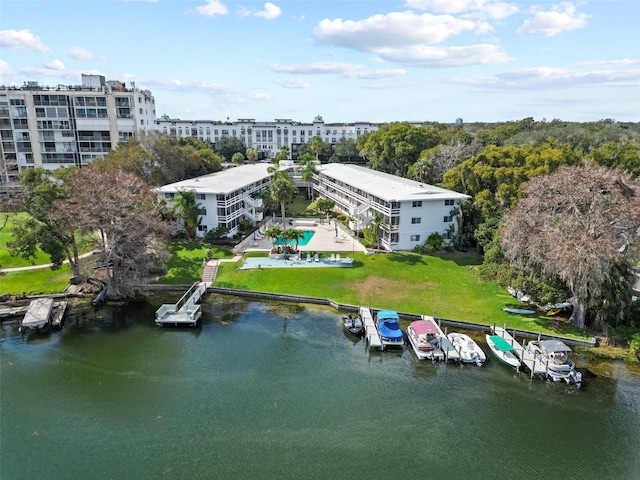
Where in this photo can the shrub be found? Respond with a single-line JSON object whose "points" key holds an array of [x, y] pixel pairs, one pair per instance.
{"points": [[435, 241]]}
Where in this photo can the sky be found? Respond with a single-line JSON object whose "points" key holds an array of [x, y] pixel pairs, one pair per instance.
{"points": [[346, 60]]}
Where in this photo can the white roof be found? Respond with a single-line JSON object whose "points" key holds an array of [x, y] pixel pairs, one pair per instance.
{"points": [[224, 181], [386, 186]]}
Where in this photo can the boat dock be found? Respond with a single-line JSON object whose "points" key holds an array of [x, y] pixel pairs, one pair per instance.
{"points": [[186, 311], [533, 364], [449, 351], [370, 330], [38, 314]]}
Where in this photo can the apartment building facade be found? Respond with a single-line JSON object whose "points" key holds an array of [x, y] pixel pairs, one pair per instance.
{"points": [[67, 125], [410, 210], [267, 137]]}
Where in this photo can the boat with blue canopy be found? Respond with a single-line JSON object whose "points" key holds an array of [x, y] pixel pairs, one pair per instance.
{"points": [[388, 326]]}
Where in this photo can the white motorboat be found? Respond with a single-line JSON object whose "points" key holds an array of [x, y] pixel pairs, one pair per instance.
{"points": [[353, 324], [424, 340], [468, 350], [503, 351], [553, 354]]}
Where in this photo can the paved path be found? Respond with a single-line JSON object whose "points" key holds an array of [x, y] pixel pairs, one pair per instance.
{"points": [[44, 265]]}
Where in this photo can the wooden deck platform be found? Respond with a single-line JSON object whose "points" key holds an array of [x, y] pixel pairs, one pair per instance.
{"points": [[533, 364], [371, 332], [186, 311], [39, 313]]}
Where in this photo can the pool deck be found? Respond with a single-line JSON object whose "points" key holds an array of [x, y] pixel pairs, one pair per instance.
{"points": [[324, 239]]}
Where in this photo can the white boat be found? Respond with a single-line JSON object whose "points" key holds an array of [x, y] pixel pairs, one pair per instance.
{"points": [[553, 354], [423, 337], [468, 350], [503, 351], [519, 311], [353, 324]]}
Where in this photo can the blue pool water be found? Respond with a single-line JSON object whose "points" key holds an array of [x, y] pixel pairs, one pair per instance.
{"points": [[293, 262], [301, 243]]}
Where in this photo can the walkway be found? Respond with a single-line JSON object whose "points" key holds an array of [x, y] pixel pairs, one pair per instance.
{"points": [[210, 269]]}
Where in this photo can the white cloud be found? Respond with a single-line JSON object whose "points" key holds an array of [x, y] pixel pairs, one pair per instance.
{"points": [[491, 9], [347, 70], [395, 29], [269, 12], [16, 39], [554, 78], [81, 53], [428, 56], [5, 69], [293, 83], [55, 65], [212, 8], [561, 18]]}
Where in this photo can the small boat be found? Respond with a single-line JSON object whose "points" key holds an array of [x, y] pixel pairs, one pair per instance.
{"points": [[519, 311], [503, 351], [468, 350], [387, 323], [553, 354], [424, 340], [353, 324]]}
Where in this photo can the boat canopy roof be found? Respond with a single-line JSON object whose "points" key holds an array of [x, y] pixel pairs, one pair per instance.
{"points": [[501, 343], [389, 328], [423, 327], [554, 346], [385, 314]]}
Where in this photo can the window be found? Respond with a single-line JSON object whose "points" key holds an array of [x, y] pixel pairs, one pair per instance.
{"points": [[416, 220], [415, 238], [448, 219], [202, 228], [203, 211], [169, 195], [417, 203], [201, 196], [448, 202]]}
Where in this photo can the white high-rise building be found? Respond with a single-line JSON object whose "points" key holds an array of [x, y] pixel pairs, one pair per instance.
{"points": [[67, 125]]}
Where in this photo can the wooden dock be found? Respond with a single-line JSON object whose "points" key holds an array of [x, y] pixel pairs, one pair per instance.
{"points": [[38, 315], [371, 332], [448, 350], [186, 311], [533, 364]]}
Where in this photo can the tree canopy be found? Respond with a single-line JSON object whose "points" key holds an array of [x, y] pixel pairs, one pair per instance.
{"points": [[576, 224]]}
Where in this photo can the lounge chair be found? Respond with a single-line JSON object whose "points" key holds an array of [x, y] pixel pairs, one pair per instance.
{"points": [[316, 258], [333, 257], [308, 257], [337, 257]]}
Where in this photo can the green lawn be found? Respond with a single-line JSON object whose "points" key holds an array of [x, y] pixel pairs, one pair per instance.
{"points": [[186, 262], [6, 260], [34, 282], [445, 285]]}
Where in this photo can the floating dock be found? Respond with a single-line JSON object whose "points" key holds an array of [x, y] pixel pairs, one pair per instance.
{"points": [[449, 351], [38, 315], [186, 311], [533, 364], [370, 330]]}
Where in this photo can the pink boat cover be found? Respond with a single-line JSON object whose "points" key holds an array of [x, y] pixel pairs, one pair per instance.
{"points": [[423, 327]]}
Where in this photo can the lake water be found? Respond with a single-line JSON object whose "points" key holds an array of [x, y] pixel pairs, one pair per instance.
{"points": [[263, 390]]}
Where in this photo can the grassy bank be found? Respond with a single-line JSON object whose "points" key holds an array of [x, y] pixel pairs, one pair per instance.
{"points": [[445, 285], [35, 282]]}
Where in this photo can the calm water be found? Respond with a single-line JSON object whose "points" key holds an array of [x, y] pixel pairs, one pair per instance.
{"points": [[270, 391], [302, 242]]}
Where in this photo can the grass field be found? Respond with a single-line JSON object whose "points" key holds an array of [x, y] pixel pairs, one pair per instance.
{"points": [[34, 282], [6, 235], [443, 285], [186, 262]]}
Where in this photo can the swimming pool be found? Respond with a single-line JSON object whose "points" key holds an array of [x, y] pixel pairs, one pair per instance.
{"points": [[301, 243], [293, 262]]}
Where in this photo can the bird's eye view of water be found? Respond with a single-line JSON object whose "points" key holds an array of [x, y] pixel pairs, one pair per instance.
{"points": [[268, 390]]}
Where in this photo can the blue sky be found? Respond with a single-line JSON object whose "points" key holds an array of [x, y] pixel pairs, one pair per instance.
{"points": [[347, 60]]}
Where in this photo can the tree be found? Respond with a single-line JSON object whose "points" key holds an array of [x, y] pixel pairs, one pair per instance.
{"points": [[576, 224], [283, 153], [252, 154], [434, 241], [346, 147], [307, 173], [227, 146], [274, 233], [377, 222], [238, 158], [282, 191], [56, 235], [295, 235], [188, 211], [316, 145], [122, 216], [324, 205]]}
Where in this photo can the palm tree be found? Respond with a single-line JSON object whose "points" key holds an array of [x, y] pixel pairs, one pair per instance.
{"points": [[273, 233], [188, 211], [252, 154], [283, 153], [376, 223], [274, 168], [282, 191], [295, 235], [315, 145], [307, 174]]}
